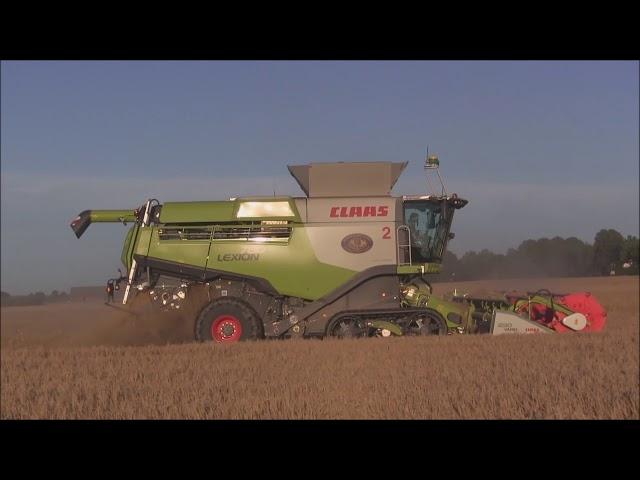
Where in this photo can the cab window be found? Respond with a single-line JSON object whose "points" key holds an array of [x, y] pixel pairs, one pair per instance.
{"points": [[428, 224]]}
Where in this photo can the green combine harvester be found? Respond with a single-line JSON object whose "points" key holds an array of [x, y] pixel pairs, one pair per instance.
{"points": [[346, 260]]}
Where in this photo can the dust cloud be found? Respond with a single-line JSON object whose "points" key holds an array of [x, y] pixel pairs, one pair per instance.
{"points": [[90, 324]]}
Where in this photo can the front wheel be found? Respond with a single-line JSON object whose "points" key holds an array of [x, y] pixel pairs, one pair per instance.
{"points": [[227, 320]]}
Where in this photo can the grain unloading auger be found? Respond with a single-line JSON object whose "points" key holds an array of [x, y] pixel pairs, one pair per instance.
{"points": [[346, 260]]}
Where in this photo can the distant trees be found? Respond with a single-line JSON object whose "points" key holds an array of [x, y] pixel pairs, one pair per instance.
{"points": [[553, 257], [544, 257], [607, 250], [57, 297], [630, 255], [38, 298]]}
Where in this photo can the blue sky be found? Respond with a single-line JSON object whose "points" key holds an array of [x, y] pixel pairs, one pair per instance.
{"points": [[539, 148]]}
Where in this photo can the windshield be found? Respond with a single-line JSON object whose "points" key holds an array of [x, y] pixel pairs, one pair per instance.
{"points": [[428, 224]]}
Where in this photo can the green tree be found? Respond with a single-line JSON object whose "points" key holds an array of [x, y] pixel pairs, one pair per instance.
{"points": [[630, 255], [607, 248], [484, 264], [630, 250]]}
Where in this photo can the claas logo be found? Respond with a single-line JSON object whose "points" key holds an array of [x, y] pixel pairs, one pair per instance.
{"points": [[357, 243], [370, 211]]}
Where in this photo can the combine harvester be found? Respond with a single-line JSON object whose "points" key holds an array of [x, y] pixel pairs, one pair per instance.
{"points": [[347, 260]]}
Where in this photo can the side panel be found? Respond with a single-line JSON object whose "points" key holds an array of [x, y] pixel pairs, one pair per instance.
{"points": [[354, 233], [356, 246], [142, 243], [290, 266], [509, 323], [129, 245], [189, 252]]}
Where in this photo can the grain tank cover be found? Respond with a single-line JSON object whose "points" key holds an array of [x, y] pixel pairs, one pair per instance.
{"points": [[354, 179]]}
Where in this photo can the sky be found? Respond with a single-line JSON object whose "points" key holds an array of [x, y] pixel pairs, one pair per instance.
{"points": [[539, 148]]}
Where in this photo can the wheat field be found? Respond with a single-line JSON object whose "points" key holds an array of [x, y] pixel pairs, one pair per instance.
{"points": [[83, 361]]}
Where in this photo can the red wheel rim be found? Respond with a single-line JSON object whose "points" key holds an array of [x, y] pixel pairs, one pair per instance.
{"points": [[226, 329]]}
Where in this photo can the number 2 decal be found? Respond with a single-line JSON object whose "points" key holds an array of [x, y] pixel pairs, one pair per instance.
{"points": [[386, 233]]}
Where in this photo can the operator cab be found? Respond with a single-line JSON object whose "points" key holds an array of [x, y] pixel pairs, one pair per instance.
{"points": [[425, 233]]}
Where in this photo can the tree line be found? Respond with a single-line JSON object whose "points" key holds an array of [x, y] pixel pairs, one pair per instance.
{"points": [[610, 254], [37, 298]]}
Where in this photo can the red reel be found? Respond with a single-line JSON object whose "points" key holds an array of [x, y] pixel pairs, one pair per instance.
{"points": [[580, 302]]}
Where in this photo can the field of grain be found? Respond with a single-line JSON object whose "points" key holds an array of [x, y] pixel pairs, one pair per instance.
{"points": [[85, 361]]}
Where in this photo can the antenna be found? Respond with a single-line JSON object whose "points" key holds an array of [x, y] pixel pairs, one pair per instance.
{"points": [[432, 162], [426, 167]]}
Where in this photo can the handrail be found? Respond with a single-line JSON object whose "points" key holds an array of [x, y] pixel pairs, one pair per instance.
{"points": [[134, 263], [401, 245]]}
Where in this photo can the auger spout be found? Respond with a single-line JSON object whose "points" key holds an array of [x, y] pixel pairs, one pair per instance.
{"points": [[87, 217]]}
